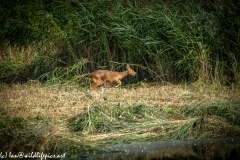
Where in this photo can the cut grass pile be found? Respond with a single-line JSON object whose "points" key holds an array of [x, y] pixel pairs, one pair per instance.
{"points": [[67, 119]]}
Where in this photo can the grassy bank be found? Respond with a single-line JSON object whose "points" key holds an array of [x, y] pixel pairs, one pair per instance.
{"points": [[67, 119]]}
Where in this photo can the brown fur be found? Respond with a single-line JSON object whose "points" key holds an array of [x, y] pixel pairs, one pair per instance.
{"points": [[100, 76]]}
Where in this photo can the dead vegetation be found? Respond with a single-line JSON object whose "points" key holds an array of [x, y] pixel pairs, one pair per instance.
{"points": [[69, 119]]}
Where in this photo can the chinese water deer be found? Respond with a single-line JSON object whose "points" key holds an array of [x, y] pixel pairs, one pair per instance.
{"points": [[101, 76]]}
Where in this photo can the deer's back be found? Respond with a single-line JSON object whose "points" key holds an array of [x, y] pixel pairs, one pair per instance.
{"points": [[106, 75]]}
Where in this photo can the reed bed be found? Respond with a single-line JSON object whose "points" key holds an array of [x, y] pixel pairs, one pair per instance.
{"points": [[164, 41]]}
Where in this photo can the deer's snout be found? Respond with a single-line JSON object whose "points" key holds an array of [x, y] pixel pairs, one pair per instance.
{"points": [[133, 73]]}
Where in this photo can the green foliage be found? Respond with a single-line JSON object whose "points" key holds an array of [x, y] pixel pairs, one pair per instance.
{"points": [[95, 120], [171, 111], [62, 74], [224, 110], [176, 41], [187, 129], [104, 119]]}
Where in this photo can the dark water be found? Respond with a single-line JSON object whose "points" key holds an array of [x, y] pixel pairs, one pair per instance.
{"points": [[219, 149]]}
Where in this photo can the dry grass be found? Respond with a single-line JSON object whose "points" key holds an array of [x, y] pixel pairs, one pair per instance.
{"points": [[55, 101], [37, 118]]}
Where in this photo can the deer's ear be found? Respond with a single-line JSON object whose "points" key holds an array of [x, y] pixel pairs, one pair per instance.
{"points": [[128, 67]]}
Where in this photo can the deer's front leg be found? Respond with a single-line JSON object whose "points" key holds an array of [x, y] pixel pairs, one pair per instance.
{"points": [[119, 83]]}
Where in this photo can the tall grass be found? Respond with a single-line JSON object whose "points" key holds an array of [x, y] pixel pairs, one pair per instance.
{"points": [[175, 41]]}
